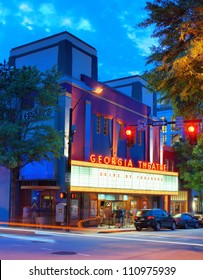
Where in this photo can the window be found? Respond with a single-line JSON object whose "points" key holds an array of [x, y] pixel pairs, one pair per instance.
{"points": [[98, 124], [166, 163], [139, 138], [171, 165], [173, 125], [164, 138], [106, 126], [120, 130], [164, 127]]}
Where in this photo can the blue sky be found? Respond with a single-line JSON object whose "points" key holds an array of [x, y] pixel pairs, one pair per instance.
{"points": [[107, 25]]}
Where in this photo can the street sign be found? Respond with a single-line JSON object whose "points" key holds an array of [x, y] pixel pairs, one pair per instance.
{"points": [[159, 123], [67, 177], [179, 122], [142, 125]]}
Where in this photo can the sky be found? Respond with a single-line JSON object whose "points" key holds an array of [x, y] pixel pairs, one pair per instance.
{"points": [[106, 25]]}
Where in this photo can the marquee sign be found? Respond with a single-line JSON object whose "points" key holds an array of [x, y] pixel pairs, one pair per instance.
{"points": [[98, 178], [111, 160], [107, 160], [152, 166]]}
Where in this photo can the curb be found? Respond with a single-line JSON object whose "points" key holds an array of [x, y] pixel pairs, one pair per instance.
{"points": [[115, 230], [91, 230]]}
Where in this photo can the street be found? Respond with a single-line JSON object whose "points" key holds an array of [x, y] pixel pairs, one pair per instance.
{"points": [[86, 245]]}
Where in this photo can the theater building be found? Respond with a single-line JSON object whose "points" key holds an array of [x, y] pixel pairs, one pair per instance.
{"points": [[105, 172]]}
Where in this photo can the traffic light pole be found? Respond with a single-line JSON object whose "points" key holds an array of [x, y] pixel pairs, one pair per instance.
{"points": [[191, 130], [68, 167]]}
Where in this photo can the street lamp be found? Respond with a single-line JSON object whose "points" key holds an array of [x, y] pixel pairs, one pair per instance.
{"points": [[97, 91]]}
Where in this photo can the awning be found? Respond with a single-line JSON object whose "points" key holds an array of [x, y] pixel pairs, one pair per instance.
{"points": [[40, 188]]}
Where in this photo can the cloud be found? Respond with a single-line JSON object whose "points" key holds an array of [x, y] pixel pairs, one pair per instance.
{"points": [[134, 73], [4, 12], [47, 9], [67, 22], [25, 8], [84, 24], [27, 22], [43, 16], [73, 23], [142, 40], [47, 17], [123, 15]]}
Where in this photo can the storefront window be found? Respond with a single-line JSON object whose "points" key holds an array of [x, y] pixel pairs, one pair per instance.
{"points": [[74, 208]]}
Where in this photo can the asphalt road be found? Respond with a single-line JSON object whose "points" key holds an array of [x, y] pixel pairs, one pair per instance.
{"points": [[131, 245]]}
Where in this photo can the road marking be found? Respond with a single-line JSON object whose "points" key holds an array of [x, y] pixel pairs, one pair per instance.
{"points": [[139, 239], [83, 255], [153, 241], [176, 235], [37, 232], [29, 238], [129, 239]]}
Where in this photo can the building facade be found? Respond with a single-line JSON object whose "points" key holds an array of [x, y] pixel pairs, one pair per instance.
{"points": [[105, 172]]}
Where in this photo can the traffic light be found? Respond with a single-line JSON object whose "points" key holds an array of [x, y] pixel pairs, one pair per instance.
{"points": [[63, 195], [191, 132], [130, 136], [73, 195]]}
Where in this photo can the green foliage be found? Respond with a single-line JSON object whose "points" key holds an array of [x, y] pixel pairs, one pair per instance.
{"points": [[190, 163], [28, 104], [177, 72], [177, 61]]}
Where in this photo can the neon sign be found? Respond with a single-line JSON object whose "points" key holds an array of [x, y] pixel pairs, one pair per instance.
{"points": [[152, 166], [126, 162], [111, 160]]}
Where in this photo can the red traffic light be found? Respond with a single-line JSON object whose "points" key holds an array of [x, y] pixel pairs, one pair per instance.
{"points": [[128, 132], [63, 195], [191, 131], [73, 196], [130, 136]]}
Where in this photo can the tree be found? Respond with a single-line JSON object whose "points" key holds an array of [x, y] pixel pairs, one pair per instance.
{"points": [[177, 71], [28, 102], [190, 162], [177, 61]]}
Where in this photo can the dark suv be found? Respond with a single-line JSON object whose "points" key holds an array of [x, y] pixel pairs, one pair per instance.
{"points": [[155, 218], [199, 217]]}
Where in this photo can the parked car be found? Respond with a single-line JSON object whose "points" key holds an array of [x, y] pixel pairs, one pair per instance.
{"points": [[155, 218], [199, 217], [185, 220]]}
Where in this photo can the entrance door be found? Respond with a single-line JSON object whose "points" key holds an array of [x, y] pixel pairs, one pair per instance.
{"points": [[178, 207], [47, 206]]}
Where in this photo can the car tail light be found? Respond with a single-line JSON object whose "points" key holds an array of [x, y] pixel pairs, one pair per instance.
{"points": [[150, 218], [135, 217]]}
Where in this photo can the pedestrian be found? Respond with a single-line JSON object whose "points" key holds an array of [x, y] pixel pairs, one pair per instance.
{"points": [[101, 216], [26, 214], [108, 215], [129, 217], [119, 217], [123, 219]]}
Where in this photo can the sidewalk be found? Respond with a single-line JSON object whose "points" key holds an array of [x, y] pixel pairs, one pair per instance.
{"points": [[112, 229]]}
